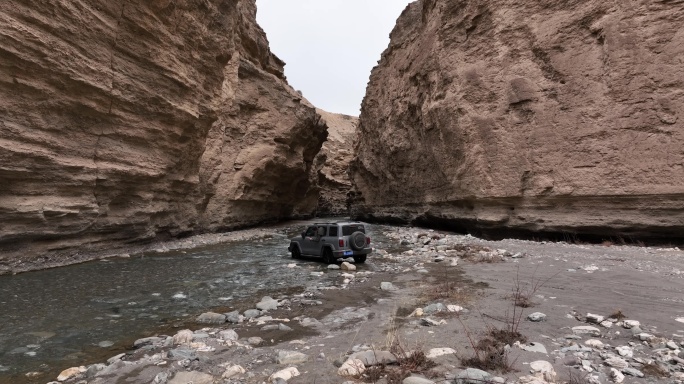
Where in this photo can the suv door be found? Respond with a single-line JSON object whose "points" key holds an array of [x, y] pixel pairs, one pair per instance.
{"points": [[307, 242]]}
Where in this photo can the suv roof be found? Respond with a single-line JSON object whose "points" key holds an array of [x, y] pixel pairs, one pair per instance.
{"points": [[338, 223]]}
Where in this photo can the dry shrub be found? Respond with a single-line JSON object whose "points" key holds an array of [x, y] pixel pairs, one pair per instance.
{"points": [[655, 370]]}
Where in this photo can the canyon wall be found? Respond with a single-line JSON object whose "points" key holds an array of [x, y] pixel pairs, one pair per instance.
{"points": [[131, 121], [510, 118], [332, 164]]}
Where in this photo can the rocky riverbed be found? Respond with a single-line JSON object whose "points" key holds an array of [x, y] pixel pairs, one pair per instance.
{"points": [[436, 307]]}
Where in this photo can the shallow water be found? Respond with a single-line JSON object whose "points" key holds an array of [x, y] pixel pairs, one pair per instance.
{"points": [[57, 318]]}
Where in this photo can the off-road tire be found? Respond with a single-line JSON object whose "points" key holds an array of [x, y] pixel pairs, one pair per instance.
{"points": [[328, 256], [357, 241], [360, 259], [296, 253]]}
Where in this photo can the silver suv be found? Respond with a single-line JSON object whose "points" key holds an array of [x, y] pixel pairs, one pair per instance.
{"points": [[332, 241]]}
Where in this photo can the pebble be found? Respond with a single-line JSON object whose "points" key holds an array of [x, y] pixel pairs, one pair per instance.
{"points": [[428, 322], [629, 324], [585, 329], [255, 340], [616, 362], [291, 357], [625, 351], [345, 266], [333, 266], [70, 373], [593, 318], [192, 377], [616, 376], [252, 313], [632, 372], [267, 304], [436, 352], [645, 336], [536, 317], [352, 367], [594, 343], [228, 335], [543, 369], [387, 286], [285, 374], [434, 308], [211, 318], [454, 308], [232, 371], [372, 357], [472, 376], [672, 345], [417, 380], [532, 347]]}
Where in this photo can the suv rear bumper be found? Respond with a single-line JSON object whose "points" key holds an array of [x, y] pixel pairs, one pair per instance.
{"points": [[350, 253]]}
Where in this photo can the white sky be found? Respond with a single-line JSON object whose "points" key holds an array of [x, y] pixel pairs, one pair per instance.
{"points": [[330, 46]]}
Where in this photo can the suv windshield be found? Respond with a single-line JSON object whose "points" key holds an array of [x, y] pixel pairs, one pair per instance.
{"points": [[349, 229]]}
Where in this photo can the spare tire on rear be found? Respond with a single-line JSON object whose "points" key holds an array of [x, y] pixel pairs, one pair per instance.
{"points": [[357, 241]]}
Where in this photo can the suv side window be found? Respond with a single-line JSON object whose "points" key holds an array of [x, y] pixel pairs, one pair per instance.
{"points": [[311, 231], [333, 231], [323, 231], [347, 230]]}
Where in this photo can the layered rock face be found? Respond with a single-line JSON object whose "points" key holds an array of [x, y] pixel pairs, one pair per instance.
{"points": [[123, 122], [332, 164], [528, 118]]}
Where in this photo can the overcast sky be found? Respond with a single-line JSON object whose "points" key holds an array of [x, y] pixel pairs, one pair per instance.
{"points": [[330, 46]]}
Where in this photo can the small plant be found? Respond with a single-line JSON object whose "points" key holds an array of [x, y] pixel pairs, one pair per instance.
{"points": [[617, 315]]}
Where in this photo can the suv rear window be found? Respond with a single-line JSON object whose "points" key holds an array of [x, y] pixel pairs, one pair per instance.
{"points": [[349, 229], [333, 231]]}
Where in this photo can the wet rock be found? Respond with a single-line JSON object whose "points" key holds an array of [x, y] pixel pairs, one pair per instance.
{"points": [[387, 286], [672, 345], [255, 340], [536, 317], [252, 313], [116, 358], [183, 337], [94, 370], [352, 367], [228, 335], [345, 266], [370, 358], [233, 371], [309, 322], [586, 330], [234, 317], [267, 304], [606, 324], [284, 374], [147, 341], [645, 336], [161, 378], [455, 308], [105, 344], [211, 318], [192, 377], [629, 324], [71, 373], [182, 353], [472, 376], [283, 327], [291, 357], [333, 266]]}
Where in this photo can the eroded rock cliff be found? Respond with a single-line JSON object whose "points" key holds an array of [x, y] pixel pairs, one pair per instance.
{"points": [[332, 164], [504, 117], [129, 121]]}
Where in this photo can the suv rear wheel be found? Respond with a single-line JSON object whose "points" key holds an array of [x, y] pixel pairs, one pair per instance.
{"points": [[328, 256], [357, 241]]}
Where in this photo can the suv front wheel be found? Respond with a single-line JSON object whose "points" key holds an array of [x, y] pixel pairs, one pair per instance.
{"points": [[296, 253]]}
